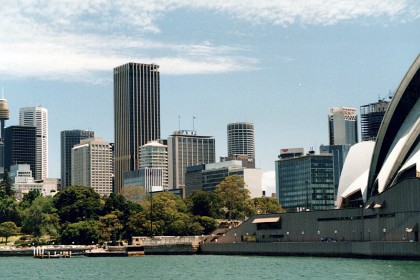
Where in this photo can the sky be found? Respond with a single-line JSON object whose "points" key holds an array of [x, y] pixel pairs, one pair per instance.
{"points": [[279, 64]]}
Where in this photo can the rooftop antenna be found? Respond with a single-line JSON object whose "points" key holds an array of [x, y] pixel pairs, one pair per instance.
{"points": [[179, 123], [193, 122]]}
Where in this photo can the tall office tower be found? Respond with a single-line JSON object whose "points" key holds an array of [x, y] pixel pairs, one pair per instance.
{"points": [[371, 116], [339, 153], [91, 165], [4, 115], [155, 155], [304, 181], [38, 117], [185, 148], [70, 138], [240, 137], [342, 125], [20, 146], [136, 114]]}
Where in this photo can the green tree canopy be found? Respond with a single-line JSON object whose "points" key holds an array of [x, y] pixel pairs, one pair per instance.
{"points": [[77, 203], [41, 218], [109, 225], [264, 205], [6, 185], [9, 211], [8, 229], [202, 203], [233, 195], [83, 232]]}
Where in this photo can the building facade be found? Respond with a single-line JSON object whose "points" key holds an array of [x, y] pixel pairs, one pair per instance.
{"points": [[70, 138], [206, 177], [20, 146], [342, 126], [339, 153], [305, 182], [240, 137], [91, 162], [38, 117], [185, 148], [155, 155], [151, 179], [136, 114], [371, 116], [23, 182]]}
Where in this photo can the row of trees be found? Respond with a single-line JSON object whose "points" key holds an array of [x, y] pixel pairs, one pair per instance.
{"points": [[79, 215]]}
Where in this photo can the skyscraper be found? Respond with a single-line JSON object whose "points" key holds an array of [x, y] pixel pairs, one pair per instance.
{"points": [[4, 115], [136, 114], [69, 138], [342, 125], [92, 165], [20, 146], [304, 182], [155, 155], [38, 117], [185, 148], [371, 116], [240, 137]]}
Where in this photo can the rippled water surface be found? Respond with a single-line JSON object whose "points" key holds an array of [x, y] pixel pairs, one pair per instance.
{"points": [[206, 267]]}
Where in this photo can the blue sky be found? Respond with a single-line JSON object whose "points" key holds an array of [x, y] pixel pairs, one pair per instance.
{"points": [[279, 64]]}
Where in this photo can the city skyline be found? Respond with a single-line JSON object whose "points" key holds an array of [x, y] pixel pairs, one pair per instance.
{"points": [[280, 65]]}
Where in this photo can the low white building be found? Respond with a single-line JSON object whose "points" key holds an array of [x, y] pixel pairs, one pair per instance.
{"points": [[23, 182]]}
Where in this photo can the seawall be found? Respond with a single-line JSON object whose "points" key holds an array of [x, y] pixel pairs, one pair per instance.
{"points": [[380, 250]]}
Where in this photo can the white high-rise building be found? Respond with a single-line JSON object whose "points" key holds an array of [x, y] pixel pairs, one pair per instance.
{"points": [[38, 117], [91, 165], [155, 155], [342, 126]]}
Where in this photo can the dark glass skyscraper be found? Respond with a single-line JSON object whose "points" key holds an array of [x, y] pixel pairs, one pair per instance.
{"points": [[69, 138], [136, 114], [371, 116], [20, 146]]}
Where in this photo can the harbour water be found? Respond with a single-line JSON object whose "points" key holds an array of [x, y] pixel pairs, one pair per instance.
{"points": [[206, 267]]}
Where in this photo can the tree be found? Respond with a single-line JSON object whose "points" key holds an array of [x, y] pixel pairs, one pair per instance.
{"points": [[9, 211], [134, 193], [41, 218], [83, 232], [29, 198], [233, 195], [208, 224], [77, 203], [109, 225], [6, 185], [264, 205], [202, 203], [8, 229]]}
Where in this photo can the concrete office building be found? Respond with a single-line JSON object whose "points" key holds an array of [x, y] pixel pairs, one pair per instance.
{"points": [[240, 138], [38, 117], [20, 146], [91, 165], [70, 138], [371, 116], [342, 126], [304, 181], [186, 148], [155, 155], [136, 114], [23, 182], [206, 177]]}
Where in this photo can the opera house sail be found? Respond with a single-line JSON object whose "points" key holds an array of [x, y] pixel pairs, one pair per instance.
{"points": [[378, 209]]}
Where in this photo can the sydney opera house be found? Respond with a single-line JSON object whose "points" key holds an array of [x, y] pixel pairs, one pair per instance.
{"points": [[378, 199]]}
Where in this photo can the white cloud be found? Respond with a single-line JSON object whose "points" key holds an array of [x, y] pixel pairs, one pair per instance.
{"points": [[70, 38], [269, 182]]}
